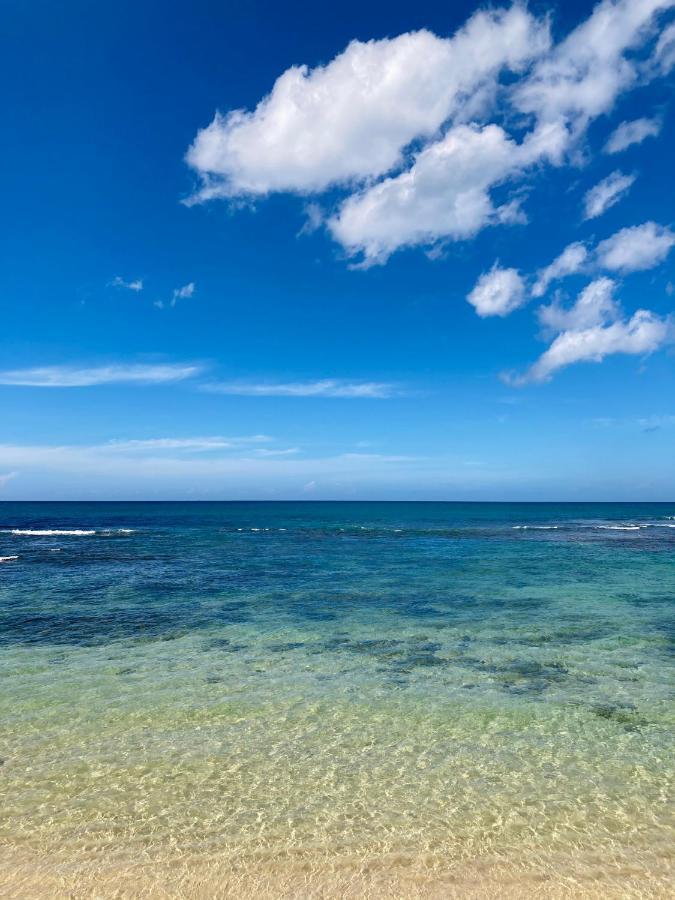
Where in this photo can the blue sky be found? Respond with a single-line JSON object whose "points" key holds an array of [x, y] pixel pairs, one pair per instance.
{"points": [[437, 263]]}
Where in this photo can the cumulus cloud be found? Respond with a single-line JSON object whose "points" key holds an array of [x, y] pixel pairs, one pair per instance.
{"points": [[71, 376], [594, 306], [326, 387], [635, 249], [592, 329], [498, 292], [351, 119], [631, 249], [136, 285], [444, 193], [571, 260], [388, 121], [634, 132], [606, 194]]}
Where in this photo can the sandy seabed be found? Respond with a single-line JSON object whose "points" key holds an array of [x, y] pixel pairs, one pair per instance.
{"points": [[30, 874]]}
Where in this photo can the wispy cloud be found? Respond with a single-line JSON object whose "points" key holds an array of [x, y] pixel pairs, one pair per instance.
{"points": [[198, 444], [654, 423], [571, 260], [288, 451], [636, 249], [327, 387], [7, 477], [101, 470], [634, 132], [648, 424], [136, 285], [314, 218], [606, 194], [73, 376], [665, 49], [181, 293]]}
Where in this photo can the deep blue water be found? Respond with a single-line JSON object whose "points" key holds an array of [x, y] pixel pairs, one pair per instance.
{"points": [[157, 569]]}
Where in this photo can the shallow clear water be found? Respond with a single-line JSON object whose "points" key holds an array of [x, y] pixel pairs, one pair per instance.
{"points": [[445, 682]]}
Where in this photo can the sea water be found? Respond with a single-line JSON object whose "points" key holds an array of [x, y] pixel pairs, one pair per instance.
{"points": [[403, 691]]}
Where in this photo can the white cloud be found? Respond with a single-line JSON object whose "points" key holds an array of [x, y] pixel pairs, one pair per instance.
{"points": [[136, 285], [592, 329], [350, 120], [643, 333], [634, 132], [196, 444], [571, 260], [7, 477], [583, 75], [326, 387], [497, 292], [97, 471], [445, 193], [653, 423], [665, 49], [631, 249], [183, 293], [71, 376], [288, 451], [314, 218], [356, 121], [635, 249], [594, 306], [606, 193]]}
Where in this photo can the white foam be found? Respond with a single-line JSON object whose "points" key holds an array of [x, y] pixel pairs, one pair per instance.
{"points": [[8, 558], [537, 527], [49, 532], [618, 527]]}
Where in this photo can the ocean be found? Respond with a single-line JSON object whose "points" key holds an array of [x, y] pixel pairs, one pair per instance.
{"points": [[337, 699]]}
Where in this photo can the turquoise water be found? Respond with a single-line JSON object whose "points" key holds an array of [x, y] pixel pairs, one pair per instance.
{"points": [[266, 682]]}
